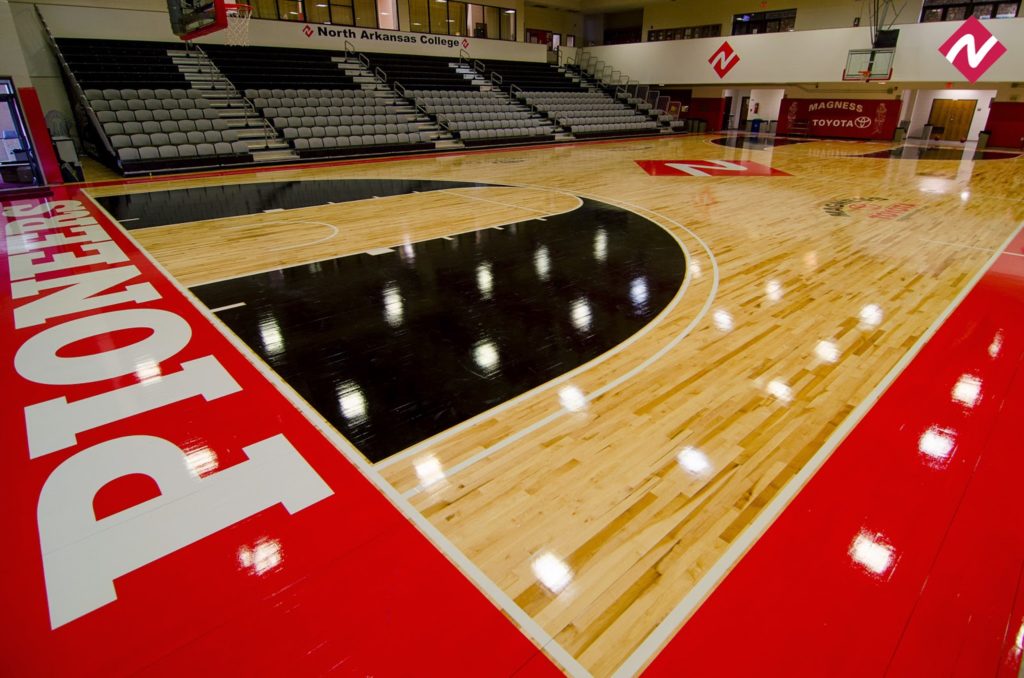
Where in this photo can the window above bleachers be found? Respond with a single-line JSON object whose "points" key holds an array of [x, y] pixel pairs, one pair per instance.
{"points": [[958, 10], [444, 17]]}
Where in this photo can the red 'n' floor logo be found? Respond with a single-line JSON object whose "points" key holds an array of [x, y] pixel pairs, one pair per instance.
{"points": [[724, 59], [977, 59]]}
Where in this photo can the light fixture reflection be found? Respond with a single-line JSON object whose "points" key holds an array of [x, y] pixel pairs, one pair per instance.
{"points": [[779, 390], [351, 402], [936, 443], [264, 556], [773, 290], [201, 461], [871, 315], [429, 471], [552, 572], [965, 196], [695, 269], [581, 315], [542, 263], [693, 461], [572, 399], [270, 336], [147, 371], [639, 293], [723, 320], [600, 245], [484, 280], [996, 346], [967, 390], [811, 261], [394, 307], [485, 354], [408, 253], [870, 552], [827, 351]]}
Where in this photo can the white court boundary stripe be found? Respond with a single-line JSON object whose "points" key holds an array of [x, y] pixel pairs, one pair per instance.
{"points": [[541, 388], [618, 381], [527, 625], [662, 633]]}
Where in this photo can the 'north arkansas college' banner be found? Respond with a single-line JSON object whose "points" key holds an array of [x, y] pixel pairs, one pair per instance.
{"points": [[845, 118]]}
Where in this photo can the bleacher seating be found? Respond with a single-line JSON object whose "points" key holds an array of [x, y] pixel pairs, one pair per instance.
{"points": [[420, 72], [322, 122], [279, 67], [532, 76], [483, 117], [142, 104], [591, 113]]}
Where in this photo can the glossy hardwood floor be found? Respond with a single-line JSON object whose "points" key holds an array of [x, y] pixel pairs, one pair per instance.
{"points": [[601, 500]]}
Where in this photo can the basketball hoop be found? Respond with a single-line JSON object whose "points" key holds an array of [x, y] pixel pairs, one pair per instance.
{"points": [[237, 32], [866, 75]]}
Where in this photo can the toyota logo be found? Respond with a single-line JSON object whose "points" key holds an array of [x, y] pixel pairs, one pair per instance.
{"points": [[863, 122]]}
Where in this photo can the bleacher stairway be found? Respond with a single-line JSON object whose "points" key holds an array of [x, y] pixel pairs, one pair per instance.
{"points": [[264, 142]]}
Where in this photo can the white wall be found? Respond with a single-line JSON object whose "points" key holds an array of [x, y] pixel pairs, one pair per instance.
{"points": [[923, 107], [809, 56], [768, 103], [12, 60]]}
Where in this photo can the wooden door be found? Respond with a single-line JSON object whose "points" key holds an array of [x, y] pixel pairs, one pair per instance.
{"points": [[954, 116]]}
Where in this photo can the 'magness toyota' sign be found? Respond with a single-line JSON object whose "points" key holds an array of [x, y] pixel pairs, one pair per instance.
{"points": [[843, 118]]}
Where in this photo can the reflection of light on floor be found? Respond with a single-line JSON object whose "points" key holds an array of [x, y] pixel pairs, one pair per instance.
{"points": [[394, 308], [871, 315], [485, 354], [261, 558], [967, 390], [936, 443], [581, 315], [201, 461], [723, 320], [270, 336], [872, 554], [484, 280], [542, 263], [695, 269], [693, 461], [780, 390], [827, 351], [550, 571], [773, 290], [351, 401], [572, 399], [429, 471], [638, 292], [601, 245], [148, 370]]}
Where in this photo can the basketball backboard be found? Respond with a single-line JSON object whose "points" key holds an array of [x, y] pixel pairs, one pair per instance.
{"points": [[191, 19], [869, 65]]}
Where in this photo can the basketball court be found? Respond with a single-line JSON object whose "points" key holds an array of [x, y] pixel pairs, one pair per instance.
{"points": [[704, 404]]}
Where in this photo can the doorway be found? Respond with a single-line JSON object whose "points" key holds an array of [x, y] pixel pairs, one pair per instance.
{"points": [[951, 118], [744, 106], [19, 168]]}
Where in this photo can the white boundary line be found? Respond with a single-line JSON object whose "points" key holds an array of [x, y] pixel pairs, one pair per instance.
{"points": [[689, 604], [615, 383], [498, 597], [971, 247]]}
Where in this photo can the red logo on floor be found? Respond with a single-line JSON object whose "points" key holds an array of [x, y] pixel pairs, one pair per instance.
{"points": [[708, 168], [724, 59], [976, 60]]}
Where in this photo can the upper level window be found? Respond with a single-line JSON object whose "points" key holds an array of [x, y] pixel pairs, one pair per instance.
{"points": [[764, 22], [958, 10], [684, 33]]}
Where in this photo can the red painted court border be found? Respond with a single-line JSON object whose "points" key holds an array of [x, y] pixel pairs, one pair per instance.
{"points": [[339, 579], [904, 554]]}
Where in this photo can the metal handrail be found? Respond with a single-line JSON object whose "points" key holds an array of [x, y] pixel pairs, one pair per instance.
{"points": [[365, 60], [349, 48], [479, 66], [380, 75], [515, 90], [464, 57], [496, 78], [398, 87]]}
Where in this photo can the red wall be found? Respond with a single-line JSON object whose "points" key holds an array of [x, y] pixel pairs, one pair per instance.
{"points": [[1006, 122], [708, 110], [843, 118]]}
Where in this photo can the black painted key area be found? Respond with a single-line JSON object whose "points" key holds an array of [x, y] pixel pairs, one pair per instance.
{"points": [[395, 348]]}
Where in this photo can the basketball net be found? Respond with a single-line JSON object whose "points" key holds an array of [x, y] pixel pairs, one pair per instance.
{"points": [[237, 32]]}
